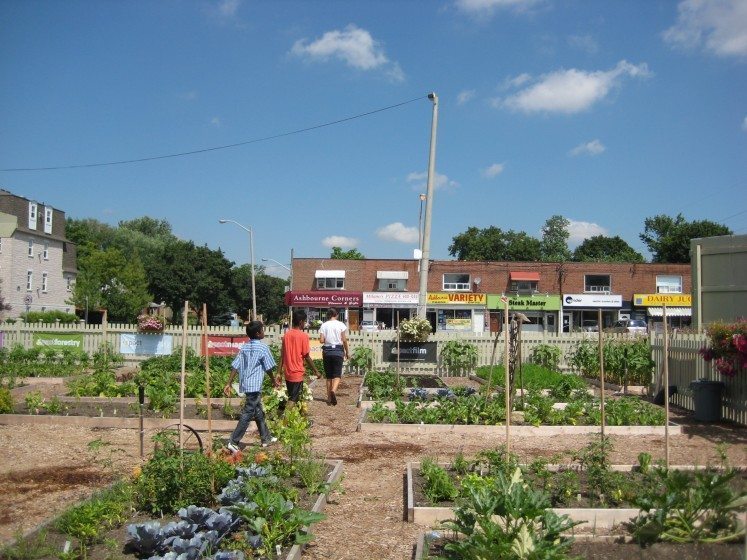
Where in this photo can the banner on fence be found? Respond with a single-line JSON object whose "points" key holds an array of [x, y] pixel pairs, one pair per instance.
{"points": [[58, 341], [410, 352], [223, 345], [146, 344]]}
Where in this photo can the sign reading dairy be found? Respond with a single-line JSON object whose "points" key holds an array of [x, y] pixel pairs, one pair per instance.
{"points": [[657, 300]]}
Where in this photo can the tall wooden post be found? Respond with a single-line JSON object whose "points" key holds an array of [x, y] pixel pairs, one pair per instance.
{"points": [[181, 383], [601, 363], [507, 380], [207, 376], [666, 386]]}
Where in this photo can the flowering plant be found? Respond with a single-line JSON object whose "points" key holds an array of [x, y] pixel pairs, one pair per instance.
{"points": [[149, 323], [415, 330], [728, 347]]}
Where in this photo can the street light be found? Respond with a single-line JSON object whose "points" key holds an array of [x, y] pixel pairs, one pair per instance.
{"points": [[251, 258], [426, 248], [277, 263]]}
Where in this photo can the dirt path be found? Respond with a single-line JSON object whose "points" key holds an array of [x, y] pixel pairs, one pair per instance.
{"points": [[44, 469]]}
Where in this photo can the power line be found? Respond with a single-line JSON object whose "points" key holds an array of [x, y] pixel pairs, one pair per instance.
{"points": [[216, 148]]}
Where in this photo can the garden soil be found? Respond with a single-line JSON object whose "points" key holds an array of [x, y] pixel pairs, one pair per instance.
{"points": [[44, 469]]}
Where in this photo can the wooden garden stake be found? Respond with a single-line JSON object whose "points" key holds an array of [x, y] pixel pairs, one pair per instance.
{"points": [[508, 381], [398, 332], [601, 363], [181, 383], [207, 376], [666, 386]]}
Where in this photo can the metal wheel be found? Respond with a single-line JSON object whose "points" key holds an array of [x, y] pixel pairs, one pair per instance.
{"points": [[191, 439]]}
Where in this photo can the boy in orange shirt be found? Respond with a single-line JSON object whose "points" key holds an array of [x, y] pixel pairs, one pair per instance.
{"points": [[294, 351]]}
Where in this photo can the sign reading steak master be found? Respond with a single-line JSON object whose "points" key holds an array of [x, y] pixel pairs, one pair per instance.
{"points": [[410, 352], [324, 299]]}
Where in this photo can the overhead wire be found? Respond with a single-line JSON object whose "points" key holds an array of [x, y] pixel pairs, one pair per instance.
{"points": [[216, 148]]}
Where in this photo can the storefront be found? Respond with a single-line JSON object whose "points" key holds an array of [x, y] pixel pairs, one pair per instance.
{"points": [[540, 309], [581, 311], [317, 303], [679, 309], [388, 308], [456, 312]]}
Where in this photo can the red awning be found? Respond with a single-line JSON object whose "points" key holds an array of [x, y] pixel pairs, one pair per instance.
{"points": [[525, 276]]}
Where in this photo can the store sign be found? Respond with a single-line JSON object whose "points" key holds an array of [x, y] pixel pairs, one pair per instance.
{"points": [[58, 341], [324, 299], [538, 302], [394, 299], [223, 345], [146, 344], [424, 352], [444, 298], [657, 300], [592, 300], [460, 325]]}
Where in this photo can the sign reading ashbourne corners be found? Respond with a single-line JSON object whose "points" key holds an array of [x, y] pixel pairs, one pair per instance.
{"points": [[54, 340], [534, 302]]}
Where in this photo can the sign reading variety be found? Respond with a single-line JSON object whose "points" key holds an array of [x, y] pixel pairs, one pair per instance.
{"points": [[444, 298]]}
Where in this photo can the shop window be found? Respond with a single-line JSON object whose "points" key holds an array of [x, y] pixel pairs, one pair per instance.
{"points": [[524, 286], [597, 283], [391, 285], [456, 282], [330, 283], [669, 284]]}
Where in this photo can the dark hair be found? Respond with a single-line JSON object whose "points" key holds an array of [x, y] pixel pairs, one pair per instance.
{"points": [[253, 329], [299, 316], [332, 312]]}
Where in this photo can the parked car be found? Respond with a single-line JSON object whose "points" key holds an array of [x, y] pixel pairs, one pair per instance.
{"points": [[369, 326], [635, 326], [590, 325]]}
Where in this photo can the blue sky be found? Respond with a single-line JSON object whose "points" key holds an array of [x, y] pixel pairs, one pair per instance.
{"points": [[604, 112]]}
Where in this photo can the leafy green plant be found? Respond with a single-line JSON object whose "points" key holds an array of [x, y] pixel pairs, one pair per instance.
{"points": [[88, 521], [362, 358], [6, 401], [34, 401], [437, 486], [28, 548], [383, 385], [458, 355], [547, 355]]}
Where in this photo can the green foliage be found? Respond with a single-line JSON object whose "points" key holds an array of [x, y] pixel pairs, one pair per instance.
{"points": [[535, 376], [415, 330], [171, 480], [493, 244], [100, 383], [351, 254], [668, 239], [49, 317], [625, 361], [6, 401], [457, 355], [87, 522], [21, 362], [547, 356], [383, 385], [472, 409], [600, 248], [34, 547], [438, 487], [554, 244], [362, 358]]}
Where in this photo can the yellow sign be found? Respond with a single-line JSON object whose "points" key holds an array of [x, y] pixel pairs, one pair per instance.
{"points": [[443, 298], [657, 300]]}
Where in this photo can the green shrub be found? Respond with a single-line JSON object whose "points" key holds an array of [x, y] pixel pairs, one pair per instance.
{"points": [[49, 317], [547, 355], [105, 510], [6, 401], [362, 358], [457, 355]]}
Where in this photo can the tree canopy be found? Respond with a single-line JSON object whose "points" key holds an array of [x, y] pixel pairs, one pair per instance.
{"points": [[554, 244], [601, 248], [494, 244], [668, 239], [352, 254]]}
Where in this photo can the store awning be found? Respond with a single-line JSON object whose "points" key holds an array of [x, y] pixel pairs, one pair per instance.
{"points": [[329, 274], [671, 311], [392, 275], [525, 276]]}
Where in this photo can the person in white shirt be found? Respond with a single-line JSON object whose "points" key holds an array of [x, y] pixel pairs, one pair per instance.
{"points": [[334, 339]]}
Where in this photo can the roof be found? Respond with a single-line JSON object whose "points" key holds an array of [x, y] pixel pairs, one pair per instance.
{"points": [[524, 276]]}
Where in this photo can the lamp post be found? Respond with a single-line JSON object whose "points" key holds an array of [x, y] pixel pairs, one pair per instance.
{"points": [[426, 248], [251, 259], [420, 222]]}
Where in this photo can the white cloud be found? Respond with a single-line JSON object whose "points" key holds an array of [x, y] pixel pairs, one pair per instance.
{"points": [[189, 95], [719, 26], [744, 124], [583, 230], [465, 96], [228, 8], [593, 148], [586, 43], [354, 46], [570, 91], [398, 232], [515, 81], [440, 182], [493, 170], [486, 8], [215, 121], [340, 241]]}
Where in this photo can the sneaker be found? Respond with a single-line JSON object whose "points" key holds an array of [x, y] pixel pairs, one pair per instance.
{"points": [[270, 441], [232, 447], [333, 398]]}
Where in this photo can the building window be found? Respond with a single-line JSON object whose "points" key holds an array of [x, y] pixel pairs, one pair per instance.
{"points": [[330, 283], [47, 220], [669, 284], [597, 283], [456, 282], [391, 285], [45, 277], [32, 215], [524, 286], [31, 247], [46, 251], [29, 279]]}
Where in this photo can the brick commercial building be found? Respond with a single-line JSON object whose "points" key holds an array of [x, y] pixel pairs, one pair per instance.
{"points": [[37, 263], [466, 295]]}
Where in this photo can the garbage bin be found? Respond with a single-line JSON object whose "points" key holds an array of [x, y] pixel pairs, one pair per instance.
{"points": [[707, 396]]}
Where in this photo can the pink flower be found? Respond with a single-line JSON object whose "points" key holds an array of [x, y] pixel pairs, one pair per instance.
{"points": [[725, 366], [707, 353], [740, 343]]}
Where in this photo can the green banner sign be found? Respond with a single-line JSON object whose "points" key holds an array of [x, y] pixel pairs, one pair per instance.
{"points": [[534, 302], [59, 341]]}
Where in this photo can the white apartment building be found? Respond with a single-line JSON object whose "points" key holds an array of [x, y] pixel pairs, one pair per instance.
{"points": [[37, 263]]}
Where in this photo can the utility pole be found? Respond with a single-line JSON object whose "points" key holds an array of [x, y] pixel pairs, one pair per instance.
{"points": [[426, 248]]}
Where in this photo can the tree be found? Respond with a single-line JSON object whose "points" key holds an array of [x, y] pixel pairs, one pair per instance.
{"points": [[554, 244], [352, 254], [601, 248], [493, 244], [668, 239], [270, 292]]}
